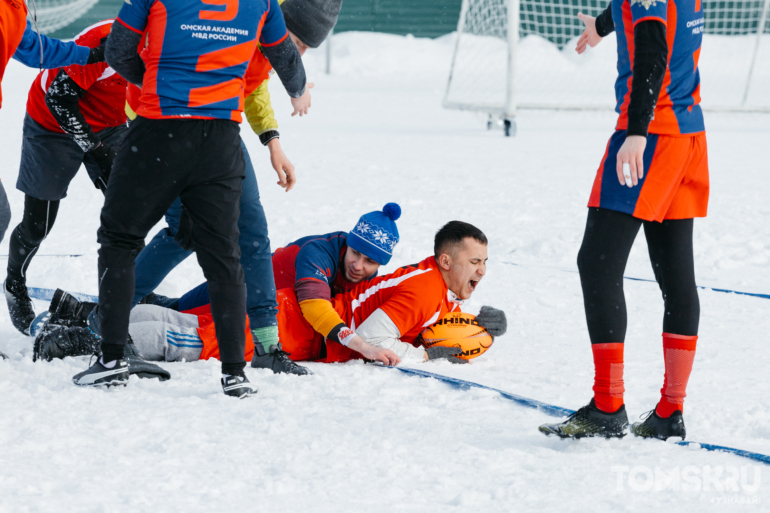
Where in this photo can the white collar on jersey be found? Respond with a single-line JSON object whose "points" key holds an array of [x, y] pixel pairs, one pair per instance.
{"points": [[452, 298]]}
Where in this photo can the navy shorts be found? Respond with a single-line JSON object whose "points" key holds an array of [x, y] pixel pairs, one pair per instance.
{"points": [[50, 160]]}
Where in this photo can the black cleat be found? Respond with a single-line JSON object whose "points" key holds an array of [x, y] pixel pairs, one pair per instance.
{"points": [[19, 304], [156, 299], [278, 361], [655, 426], [66, 310], [237, 386], [97, 375], [590, 421], [59, 342]]}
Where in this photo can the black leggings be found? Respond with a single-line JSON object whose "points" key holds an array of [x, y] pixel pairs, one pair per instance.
{"points": [[39, 216], [602, 261]]}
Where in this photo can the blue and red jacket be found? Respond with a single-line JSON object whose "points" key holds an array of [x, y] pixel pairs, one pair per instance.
{"points": [[198, 52]]}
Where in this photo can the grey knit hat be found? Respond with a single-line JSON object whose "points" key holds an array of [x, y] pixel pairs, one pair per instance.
{"points": [[311, 20]]}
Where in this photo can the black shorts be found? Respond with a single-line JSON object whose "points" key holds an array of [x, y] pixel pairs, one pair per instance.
{"points": [[50, 160]]}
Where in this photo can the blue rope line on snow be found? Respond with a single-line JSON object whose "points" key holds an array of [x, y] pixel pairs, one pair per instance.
{"points": [[556, 411], [726, 291]]}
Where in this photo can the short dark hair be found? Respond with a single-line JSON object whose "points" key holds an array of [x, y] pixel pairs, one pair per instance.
{"points": [[451, 236]]}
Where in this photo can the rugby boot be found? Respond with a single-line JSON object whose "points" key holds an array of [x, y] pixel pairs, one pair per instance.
{"points": [[93, 322], [66, 310], [237, 386], [277, 360], [99, 375], [156, 299], [19, 304], [655, 426], [590, 421], [59, 342]]}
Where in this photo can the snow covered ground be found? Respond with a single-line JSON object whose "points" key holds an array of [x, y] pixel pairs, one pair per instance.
{"points": [[358, 438]]}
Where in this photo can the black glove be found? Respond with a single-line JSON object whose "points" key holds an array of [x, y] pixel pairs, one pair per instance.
{"points": [[104, 157], [448, 353], [59, 342], [492, 320], [97, 54]]}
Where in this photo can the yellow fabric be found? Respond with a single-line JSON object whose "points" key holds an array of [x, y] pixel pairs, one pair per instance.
{"points": [[130, 113], [321, 315], [259, 111]]}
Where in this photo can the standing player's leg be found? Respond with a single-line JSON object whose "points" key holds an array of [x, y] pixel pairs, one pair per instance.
{"points": [[602, 259], [257, 262], [213, 204], [671, 254], [146, 178]]}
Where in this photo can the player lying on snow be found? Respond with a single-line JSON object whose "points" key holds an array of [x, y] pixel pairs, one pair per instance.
{"points": [[379, 318]]}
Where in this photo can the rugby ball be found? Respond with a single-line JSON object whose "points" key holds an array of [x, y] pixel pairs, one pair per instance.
{"points": [[458, 330]]}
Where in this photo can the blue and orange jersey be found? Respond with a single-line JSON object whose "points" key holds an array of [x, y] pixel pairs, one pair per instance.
{"points": [[414, 297], [677, 111], [198, 53], [313, 266]]}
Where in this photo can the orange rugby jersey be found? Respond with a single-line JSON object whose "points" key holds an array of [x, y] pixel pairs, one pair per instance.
{"points": [[414, 297]]}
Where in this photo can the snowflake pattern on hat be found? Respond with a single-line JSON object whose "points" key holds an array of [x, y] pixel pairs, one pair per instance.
{"points": [[376, 236]]}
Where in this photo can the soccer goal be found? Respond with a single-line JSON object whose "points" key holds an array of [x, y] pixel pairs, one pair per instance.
{"points": [[51, 15], [520, 54]]}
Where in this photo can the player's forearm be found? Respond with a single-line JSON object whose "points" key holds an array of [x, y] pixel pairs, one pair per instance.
{"points": [[380, 331], [287, 63], [260, 115], [604, 23], [650, 61], [121, 53], [62, 99]]}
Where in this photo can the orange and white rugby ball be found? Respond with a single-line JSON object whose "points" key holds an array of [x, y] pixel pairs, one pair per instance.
{"points": [[458, 330]]}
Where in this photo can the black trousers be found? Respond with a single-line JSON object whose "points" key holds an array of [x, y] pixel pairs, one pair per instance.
{"points": [[201, 162], [602, 261]]}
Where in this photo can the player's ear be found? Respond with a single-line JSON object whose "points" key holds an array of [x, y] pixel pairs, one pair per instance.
{"points": [[444, 261]]}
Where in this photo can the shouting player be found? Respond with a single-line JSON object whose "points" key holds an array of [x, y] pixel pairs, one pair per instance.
{"points": [[74, 116], [654, 174], [185, 143]]}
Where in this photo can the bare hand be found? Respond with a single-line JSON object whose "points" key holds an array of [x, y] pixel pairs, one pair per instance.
{"points": [[302, 104], [632, 153], [282, 165], [370, 352], [589, 36]]}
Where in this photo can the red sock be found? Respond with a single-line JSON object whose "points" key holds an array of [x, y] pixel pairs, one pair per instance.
{"points": [[679, 353], [608, 379]]}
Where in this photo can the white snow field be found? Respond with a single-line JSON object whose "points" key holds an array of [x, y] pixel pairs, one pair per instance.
{"points": [[354, 437]]}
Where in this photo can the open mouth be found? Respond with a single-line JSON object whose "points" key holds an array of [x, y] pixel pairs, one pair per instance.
{"points": [[472, 284]]}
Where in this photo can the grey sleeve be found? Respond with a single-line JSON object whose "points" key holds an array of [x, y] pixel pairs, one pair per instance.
{"points": [[287, 63], [120, 53]]}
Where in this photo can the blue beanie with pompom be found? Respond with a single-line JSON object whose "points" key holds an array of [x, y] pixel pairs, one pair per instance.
{"points": [[376, 234]]}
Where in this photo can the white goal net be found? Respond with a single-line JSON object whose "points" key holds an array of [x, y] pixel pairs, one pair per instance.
{"points": [[534, 65], [51, 15]]}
